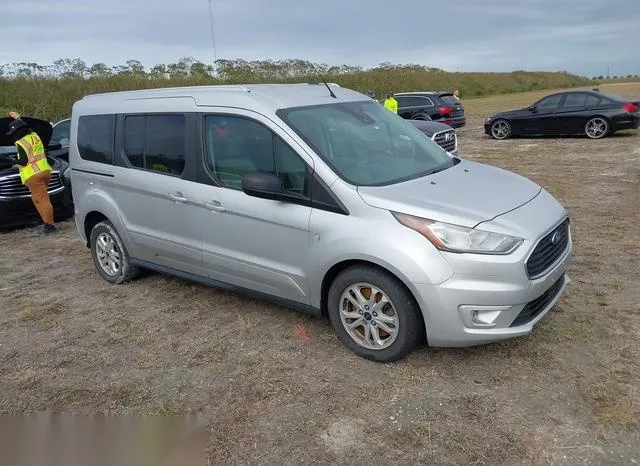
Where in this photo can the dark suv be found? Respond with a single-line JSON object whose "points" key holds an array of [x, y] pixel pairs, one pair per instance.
{"points": [[439, 106]]}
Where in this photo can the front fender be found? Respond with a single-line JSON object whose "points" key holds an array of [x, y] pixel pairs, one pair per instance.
{"points": [[406, 254]]}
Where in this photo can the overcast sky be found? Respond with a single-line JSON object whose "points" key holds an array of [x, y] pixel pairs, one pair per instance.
{"points": [[580, 36]]}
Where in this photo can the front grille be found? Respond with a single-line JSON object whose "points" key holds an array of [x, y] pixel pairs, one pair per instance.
{"points": [[446, 140], [11, 186], [535, 307], [548, 250]]}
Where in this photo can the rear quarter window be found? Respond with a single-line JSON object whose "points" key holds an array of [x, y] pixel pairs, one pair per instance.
{"points": [[95, 140], [592, 101], [449, 100]]}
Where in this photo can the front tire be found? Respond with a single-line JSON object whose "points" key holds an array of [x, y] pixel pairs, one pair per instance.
{"points": [[109, 254], [596, 128], [500, 129], [373, 314]]}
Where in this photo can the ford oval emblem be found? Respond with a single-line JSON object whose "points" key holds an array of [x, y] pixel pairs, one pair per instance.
{"points": [[555, 238]]}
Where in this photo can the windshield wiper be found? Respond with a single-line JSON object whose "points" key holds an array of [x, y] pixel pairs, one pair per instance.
{"points": [[440, 169]]}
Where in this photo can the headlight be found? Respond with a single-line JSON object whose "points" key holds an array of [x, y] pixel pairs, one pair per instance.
{"points": [[455, 238], [487, 120], [67, 174]]}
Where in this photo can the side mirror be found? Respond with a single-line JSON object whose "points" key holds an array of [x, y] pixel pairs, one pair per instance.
{"points": [[264, 186], [532, 108]]}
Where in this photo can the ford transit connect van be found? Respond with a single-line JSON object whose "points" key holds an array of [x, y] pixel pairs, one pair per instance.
{"points": [[320, 199]]}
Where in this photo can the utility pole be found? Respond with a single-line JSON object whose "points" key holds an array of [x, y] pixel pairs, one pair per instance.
{"points": [[213, 39]]}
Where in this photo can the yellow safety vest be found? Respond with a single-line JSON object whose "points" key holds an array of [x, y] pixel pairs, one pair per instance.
{"points": [[36, 157], [391, 104]]}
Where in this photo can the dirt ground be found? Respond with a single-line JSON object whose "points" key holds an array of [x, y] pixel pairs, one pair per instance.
{"points": [[567, 394]]}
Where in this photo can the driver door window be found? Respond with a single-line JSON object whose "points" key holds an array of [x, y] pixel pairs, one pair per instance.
{"points": [[237, 146], [549, 103]]}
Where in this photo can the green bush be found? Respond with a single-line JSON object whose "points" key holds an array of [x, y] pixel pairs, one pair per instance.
{"points": [[49, 91]]}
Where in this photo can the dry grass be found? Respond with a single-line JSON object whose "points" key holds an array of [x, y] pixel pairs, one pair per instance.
{"points": [[276, 387]]}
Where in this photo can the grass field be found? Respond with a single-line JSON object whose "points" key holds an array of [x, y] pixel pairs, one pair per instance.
{"points": [[567, 394]]}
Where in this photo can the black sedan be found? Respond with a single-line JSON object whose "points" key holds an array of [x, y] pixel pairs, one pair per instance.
{"points": [[16, 206], [591, 112]]}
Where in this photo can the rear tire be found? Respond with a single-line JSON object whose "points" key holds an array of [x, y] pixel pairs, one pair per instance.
{"points": [[363, 303], [500, 129], [422, 117], [596, 127], [109, 254]]}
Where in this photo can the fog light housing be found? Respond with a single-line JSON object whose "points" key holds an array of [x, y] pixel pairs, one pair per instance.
{"points": [[482, 316]]}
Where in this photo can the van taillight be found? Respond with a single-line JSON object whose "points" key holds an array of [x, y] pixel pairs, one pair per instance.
{"points": [[631, 108], [445, 110]]}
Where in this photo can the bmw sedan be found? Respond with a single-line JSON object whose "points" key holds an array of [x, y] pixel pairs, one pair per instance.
{"points": [[591, 112]]}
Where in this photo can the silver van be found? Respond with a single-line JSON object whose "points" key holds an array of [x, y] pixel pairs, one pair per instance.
{"points": [[320, 199]]}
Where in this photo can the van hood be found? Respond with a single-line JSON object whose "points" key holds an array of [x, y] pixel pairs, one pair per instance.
{"points": [[42, 127], [466, 194]]}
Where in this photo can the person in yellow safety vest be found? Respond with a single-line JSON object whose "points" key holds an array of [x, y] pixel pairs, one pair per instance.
{"points": [[35, 171], [391, 103]]}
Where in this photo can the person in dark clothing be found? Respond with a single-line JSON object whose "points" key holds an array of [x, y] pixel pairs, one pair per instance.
{"points": [[35, 171]]}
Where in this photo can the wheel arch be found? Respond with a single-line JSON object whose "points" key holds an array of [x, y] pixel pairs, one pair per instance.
{"points": [[91, 220]]}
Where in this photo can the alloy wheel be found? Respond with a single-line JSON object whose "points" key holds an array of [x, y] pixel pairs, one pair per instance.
{"points": [[500, 129], [108, 254], [596, 128], [369, 316]]}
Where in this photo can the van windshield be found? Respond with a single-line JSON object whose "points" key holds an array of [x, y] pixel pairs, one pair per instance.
{"points": [[366, 144]]}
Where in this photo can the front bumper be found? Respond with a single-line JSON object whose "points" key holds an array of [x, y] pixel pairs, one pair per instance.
{"points": [[490, 298]]}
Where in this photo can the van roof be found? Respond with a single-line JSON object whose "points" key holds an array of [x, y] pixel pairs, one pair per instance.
{"points": [[267, 96]]}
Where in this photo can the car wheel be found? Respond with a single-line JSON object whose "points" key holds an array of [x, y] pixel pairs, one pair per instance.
{"points": [[374, 314], [422, 117], [109, 254], [500, 129], [596, 127]]}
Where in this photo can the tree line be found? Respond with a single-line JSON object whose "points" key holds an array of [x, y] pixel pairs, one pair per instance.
{"points": [[50, 90]]}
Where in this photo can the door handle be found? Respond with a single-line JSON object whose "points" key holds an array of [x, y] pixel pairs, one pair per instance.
{"points": [[214, 205], [178, 197]]}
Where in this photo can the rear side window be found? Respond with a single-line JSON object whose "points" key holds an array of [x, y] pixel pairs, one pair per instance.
{"points": [[95, 138], [414, 101], [575, 100], [156, 142], [592, 101], [449, 99]]}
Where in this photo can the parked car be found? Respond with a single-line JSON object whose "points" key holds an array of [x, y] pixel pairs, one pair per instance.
{"points": [[591, 112], [443, 135], [16, 206], [60, 137], [324, 202], [437, 106]]}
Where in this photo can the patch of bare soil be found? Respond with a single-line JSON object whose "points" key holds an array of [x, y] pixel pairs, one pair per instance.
{"points": [[567, 394]]}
